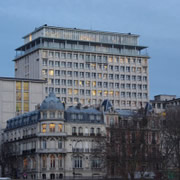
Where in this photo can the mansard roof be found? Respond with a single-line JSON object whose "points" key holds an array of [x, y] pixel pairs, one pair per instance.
{"points": [[24, 119], [52, 103]]}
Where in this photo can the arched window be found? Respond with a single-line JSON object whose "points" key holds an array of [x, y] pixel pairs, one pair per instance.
{"points": [[52, 161], [33, 163], [98, 131], [60, 161], [25, 163], [80, 131], [44, 161], [74, 131], [92, 132]]}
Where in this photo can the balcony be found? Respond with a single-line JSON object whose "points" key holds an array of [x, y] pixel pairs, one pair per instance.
{"points": [[92, 134], [52, 150], [52, 134]]}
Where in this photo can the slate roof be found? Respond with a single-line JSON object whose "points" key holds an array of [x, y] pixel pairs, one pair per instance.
{"points": [[52, 103]]}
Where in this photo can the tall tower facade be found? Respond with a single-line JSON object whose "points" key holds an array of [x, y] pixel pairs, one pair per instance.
{"points": [[86, 66]]}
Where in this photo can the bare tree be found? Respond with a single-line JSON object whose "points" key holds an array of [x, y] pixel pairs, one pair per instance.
{"points": [[170, 144], [129, 151]]}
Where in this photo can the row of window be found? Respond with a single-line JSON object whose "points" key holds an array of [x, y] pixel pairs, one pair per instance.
{"points": [[98, 84], [93, 75], [86, 130], [52, 115], [94, 66], [52, 128], [76, 56], [105, 93]]}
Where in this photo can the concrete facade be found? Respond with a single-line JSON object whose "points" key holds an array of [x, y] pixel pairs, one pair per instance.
{"points": [[162, 102], [85, 66], [27, 97]]}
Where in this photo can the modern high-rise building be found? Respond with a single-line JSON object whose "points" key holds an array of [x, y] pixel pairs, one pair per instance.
{"points": [[86, 66]]}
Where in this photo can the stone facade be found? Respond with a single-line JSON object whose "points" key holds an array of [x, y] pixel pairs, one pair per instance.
{"points": [[52, 143]]}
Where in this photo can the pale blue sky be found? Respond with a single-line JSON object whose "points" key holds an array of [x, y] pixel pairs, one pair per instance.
{"points": [[156, 21]]}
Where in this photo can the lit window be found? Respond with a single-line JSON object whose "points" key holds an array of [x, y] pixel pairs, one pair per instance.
{"points": [[87, 83], [110, 59], [75, 91], [60, 126], [111, 93], [105, 93], [18, 85], [25, 163], [70, 91], [26, 86], [52, 127], [99, 93], [26, 106], [94, 92], [94, 83], [51, 72], [44, 128]]}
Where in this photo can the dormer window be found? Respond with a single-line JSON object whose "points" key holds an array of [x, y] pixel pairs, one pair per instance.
{"points": [[52, 114], [80, 116], [98, 118], [91, 117], [44, 115], [60, 115]]}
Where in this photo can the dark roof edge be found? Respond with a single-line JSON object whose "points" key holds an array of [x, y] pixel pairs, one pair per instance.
{"points": [[22, 79]]}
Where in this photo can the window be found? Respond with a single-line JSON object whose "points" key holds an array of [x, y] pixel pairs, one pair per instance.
{"points": [[96, 163], [52, 161], [51, 63], [69, 64], [77, 162], [43, 128], [45, 62], [70, 91], [44, 159], [100, 84], [60, 126], [80, 130], [52, 127], [25, 163], [92, 131], [44, 144], [52, 114], [51, 72], [60, 144], [73, 130], [44, 115], [60, 161]]}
